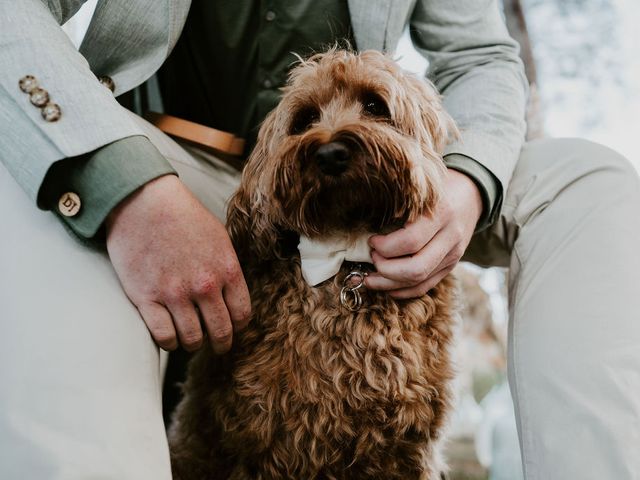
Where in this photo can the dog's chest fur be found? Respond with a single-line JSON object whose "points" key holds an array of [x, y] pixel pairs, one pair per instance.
{"points": [[311, 390]]}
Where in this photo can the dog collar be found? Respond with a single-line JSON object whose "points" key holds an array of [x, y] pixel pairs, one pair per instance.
{"points": [[321, 259]]}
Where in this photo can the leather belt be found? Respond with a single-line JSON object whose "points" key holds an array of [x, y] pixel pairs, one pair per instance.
{"points": [[200, 135]]}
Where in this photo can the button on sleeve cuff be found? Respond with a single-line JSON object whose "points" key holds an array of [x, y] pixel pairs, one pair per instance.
{"points": [[488, 185], [100, 181]]}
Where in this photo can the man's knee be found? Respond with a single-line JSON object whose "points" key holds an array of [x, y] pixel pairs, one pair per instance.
{"points": [[577, 157], [601, 155], [553, 169], [575, 176]]}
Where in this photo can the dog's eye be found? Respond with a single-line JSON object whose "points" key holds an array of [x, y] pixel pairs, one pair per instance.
{"points": [[303, 120], [373, 105]]}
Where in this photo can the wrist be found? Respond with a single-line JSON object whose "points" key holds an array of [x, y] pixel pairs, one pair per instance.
{"points": [[463, 188], [158, 186]]}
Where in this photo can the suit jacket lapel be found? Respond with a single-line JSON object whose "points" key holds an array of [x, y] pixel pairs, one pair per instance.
{"points": [[369, 21]]}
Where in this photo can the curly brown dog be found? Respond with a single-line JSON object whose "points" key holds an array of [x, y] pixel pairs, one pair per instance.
{"points": [[315, 389]]}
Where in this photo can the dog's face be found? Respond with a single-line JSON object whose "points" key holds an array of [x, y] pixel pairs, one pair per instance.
{"points": [[354, 145]]}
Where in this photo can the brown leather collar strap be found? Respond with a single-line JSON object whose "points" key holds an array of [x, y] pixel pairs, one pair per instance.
{"points": [[198, 134]]}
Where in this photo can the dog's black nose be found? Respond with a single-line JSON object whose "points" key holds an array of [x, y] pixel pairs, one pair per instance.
{"points": [[332, 158]]}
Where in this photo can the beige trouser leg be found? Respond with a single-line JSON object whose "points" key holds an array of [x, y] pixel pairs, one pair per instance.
{"points": [[80, 383], [570, 235]]}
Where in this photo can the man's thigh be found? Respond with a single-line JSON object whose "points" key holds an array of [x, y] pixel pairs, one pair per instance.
{"points": [[79, 373], [80, 376]]}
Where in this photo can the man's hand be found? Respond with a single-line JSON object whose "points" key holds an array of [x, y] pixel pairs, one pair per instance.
{"points": [[412, 260], [178, 267]]}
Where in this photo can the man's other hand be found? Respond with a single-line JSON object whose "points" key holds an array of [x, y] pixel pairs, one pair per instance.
{"points": [[412, 260], [177, 265]]}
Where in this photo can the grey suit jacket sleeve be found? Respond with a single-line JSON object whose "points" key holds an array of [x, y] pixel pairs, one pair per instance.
{"points": [[474, 63], [102, 179], [32, 43]]}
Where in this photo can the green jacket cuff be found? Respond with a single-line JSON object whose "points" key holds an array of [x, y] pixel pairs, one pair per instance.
{"points": [[487, 183], [101, 180]]}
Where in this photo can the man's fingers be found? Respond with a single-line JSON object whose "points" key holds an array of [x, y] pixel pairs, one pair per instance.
{"points": [[160, 325], [236, 296], [375, 281], [408, 240], [422, 288], [412, 270], [187, 324], [216, 319]]}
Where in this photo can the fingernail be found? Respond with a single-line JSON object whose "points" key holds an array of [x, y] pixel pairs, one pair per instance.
{"points": [[368, 279]]}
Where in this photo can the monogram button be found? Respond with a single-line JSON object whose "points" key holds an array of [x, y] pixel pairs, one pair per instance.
{"points": [[51, 112], [69, 204], [28, 83], [39, 97]]}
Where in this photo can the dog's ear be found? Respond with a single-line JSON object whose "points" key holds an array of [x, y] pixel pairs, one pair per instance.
{"points": [[420, 114], [435, 127], [239, 222], [250, 213]]}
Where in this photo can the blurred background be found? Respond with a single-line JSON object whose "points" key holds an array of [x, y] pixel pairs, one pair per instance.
{"points": [[582, 62]]}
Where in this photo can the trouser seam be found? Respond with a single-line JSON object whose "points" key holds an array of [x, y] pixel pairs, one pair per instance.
{"points": [[518, 394]]}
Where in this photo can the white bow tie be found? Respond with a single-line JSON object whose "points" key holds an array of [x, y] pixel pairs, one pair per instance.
{"points": [[321, 259]]}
